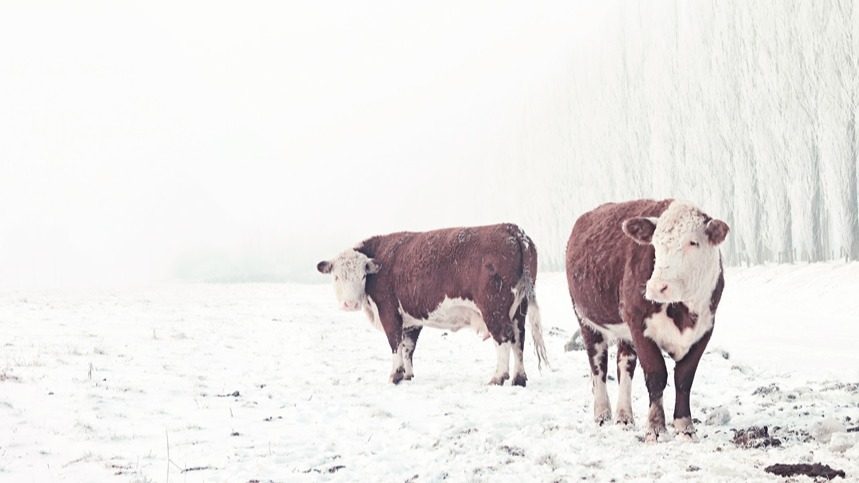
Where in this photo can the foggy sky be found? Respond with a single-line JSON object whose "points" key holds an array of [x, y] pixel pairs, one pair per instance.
{"points": [[210, 140]]}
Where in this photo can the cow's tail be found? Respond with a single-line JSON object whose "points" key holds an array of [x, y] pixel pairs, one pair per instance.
{"points": [[524, 290]]}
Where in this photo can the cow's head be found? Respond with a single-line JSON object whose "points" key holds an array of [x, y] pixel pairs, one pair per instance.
{"points": [[350, 270], [686, 245]]}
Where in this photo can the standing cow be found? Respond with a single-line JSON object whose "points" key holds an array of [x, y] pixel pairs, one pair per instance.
{"points": [[482, 277], [649, 274]]}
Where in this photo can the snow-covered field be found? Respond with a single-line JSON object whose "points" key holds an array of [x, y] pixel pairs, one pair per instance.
{"points": [[270, 382]]}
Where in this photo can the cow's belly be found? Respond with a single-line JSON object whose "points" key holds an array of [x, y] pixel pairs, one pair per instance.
{"points": [[451, 314], [611, 331]]}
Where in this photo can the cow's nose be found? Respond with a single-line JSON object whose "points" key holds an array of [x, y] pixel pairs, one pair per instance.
{"points": [[350, 305]]}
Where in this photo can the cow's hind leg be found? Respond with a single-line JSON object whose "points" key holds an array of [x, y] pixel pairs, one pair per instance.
{"points": [[626, 361], [502, 334], [397, 369], [407, 350], [597, 349], [519, 377], [502, 365]]}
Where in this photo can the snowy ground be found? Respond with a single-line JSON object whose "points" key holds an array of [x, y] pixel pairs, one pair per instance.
{"points": [[270, 382]]}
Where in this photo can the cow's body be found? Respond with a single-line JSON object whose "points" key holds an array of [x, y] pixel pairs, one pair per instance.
{"points": [[648, 274], [480, 277]]}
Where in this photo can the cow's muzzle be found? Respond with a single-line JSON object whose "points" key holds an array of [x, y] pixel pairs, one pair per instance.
{"points": [[661, 291], [350, 305]]}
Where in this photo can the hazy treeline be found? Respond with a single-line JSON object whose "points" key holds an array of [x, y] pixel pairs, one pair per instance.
{"points": [[748, 109]]}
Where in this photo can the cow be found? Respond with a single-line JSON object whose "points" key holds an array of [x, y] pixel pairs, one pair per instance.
{"points": [[648, 274], [480, 277]]}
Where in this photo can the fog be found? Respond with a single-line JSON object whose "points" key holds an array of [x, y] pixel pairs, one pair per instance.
{"points": [[748, 109], [210, 141], [244, 142]]}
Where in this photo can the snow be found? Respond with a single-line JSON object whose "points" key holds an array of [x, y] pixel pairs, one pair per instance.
{"points": [[272, 383]]}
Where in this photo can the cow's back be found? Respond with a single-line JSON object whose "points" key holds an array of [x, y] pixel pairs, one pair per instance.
{"points": [[597, 256]]}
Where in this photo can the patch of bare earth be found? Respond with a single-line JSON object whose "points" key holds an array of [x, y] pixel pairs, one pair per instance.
{"points": [[816, 470]]}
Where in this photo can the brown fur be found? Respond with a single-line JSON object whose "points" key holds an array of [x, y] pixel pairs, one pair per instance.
{"points": [[597, 257], [607, 272], [482, 264]]}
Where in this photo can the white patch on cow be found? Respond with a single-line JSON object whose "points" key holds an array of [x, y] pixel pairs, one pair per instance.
{"points": [[349, 270], [602, 405], [372, 312], [519, 293], [662, 330], [407, 347], [397, 362], [502, 365], [686, 265], [613, 331], [624, 394], [518, 362], [451, 314]]}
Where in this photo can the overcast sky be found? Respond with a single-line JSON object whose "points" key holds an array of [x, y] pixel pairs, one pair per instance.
{"points": [[135, 137]]}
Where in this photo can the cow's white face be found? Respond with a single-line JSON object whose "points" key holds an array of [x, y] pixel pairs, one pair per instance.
{"points": [[686, 245], [350, 270]]}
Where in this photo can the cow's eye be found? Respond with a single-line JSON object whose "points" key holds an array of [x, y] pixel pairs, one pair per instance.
{"points": [[336, 278], [693, 243]]}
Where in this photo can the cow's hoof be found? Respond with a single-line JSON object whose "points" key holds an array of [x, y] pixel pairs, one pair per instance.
{"points": [[684, 429], [397, 376], [656, 435], [408, 377], [520, 380], [602, 417], [624, 419], [499, 380]]}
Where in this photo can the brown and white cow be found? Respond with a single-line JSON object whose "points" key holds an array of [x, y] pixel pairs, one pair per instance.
{"points": [[649, 274], [482, 277]]}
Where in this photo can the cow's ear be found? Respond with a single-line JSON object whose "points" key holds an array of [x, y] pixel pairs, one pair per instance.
{"points": [[324, 266], [372, 267], [640, 229], [716, 231]]}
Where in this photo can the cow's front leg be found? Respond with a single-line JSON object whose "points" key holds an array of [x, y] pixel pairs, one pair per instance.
{"points": [[684, 374], [392, 323], [626, 360], [656, 378], [597, 349], [407, 350]]}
